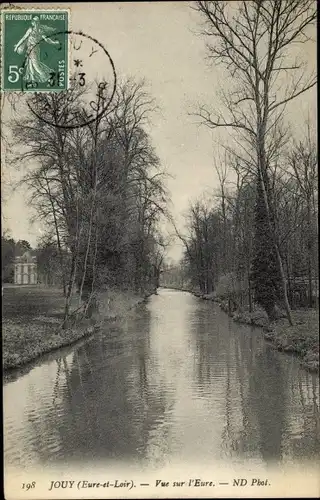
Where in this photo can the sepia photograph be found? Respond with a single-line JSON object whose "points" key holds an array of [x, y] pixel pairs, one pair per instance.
{"points": [[160, 275]]}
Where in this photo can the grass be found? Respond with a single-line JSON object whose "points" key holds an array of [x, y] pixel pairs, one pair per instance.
{"points": [[302, 338], [32, 318]]}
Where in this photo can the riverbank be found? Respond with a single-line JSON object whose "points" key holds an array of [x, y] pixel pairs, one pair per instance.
{"points": [[301, 339], [32, 318]]}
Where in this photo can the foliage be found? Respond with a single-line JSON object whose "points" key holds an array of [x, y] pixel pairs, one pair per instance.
{"points": [[265, 268], [237, 242], [98, 189], [252, 40]]}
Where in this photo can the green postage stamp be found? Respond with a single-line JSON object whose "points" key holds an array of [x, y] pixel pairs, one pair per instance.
{"points": [[35, 50]]}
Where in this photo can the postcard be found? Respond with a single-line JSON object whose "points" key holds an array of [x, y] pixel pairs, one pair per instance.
{"points": [[160, 279]]}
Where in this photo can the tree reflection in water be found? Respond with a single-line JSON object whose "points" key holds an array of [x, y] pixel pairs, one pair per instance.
{"points": [[305, 441], [264, 419], [225, 353], [267, 399], [103, 405], [178, 380]]}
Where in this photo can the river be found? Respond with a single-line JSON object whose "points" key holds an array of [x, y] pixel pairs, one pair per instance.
{"points": [[177, 381]]}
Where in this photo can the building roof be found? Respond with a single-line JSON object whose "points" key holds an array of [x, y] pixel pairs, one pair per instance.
{"points": [[27, 257]]}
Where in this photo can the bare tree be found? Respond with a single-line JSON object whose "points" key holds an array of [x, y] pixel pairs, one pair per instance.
{"points": [[304, 169], [251, 40], [99, 186]]}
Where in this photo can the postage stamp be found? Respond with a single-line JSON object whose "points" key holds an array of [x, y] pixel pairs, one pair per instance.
{"points": [[35, 50]]}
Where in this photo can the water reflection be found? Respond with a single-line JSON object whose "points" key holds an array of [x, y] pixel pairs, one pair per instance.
{"points": [[178, 381], [108, 396], [267, 400]]}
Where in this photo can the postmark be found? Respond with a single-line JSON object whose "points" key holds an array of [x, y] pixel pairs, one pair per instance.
{"points": [[35, 49], [92, 86]]}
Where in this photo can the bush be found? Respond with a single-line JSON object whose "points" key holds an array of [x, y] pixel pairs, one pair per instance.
{"points": [[229, 287]]}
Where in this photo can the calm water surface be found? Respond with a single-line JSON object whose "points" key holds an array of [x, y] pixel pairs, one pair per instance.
{"points": [[178, 380]]}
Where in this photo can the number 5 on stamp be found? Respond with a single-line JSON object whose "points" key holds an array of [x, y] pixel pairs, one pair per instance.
{"points": [[35, 50]]}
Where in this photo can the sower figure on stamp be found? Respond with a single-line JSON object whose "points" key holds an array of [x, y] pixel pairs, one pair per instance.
{"points": [[36, 71]]}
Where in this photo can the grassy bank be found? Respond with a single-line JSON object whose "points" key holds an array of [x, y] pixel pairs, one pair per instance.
{"points": [[301, 338], [32, 318]]}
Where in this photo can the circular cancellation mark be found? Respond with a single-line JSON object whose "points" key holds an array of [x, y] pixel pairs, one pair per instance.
{"points": [[87, 118]]}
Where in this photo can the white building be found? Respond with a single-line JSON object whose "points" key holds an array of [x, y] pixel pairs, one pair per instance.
{"points": [[25, 269]]}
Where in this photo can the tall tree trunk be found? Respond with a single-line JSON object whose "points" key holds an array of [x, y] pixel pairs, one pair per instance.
{"points": [[249, 292], [262, 120], [263, 174], [309, 258], [64, 286], [69, 290]]}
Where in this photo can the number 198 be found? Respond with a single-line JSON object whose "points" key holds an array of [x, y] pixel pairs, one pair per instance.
{"points": [[28, 486]]}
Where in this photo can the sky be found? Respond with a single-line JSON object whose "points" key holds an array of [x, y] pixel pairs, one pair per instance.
{"points": [[158, 41]]}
